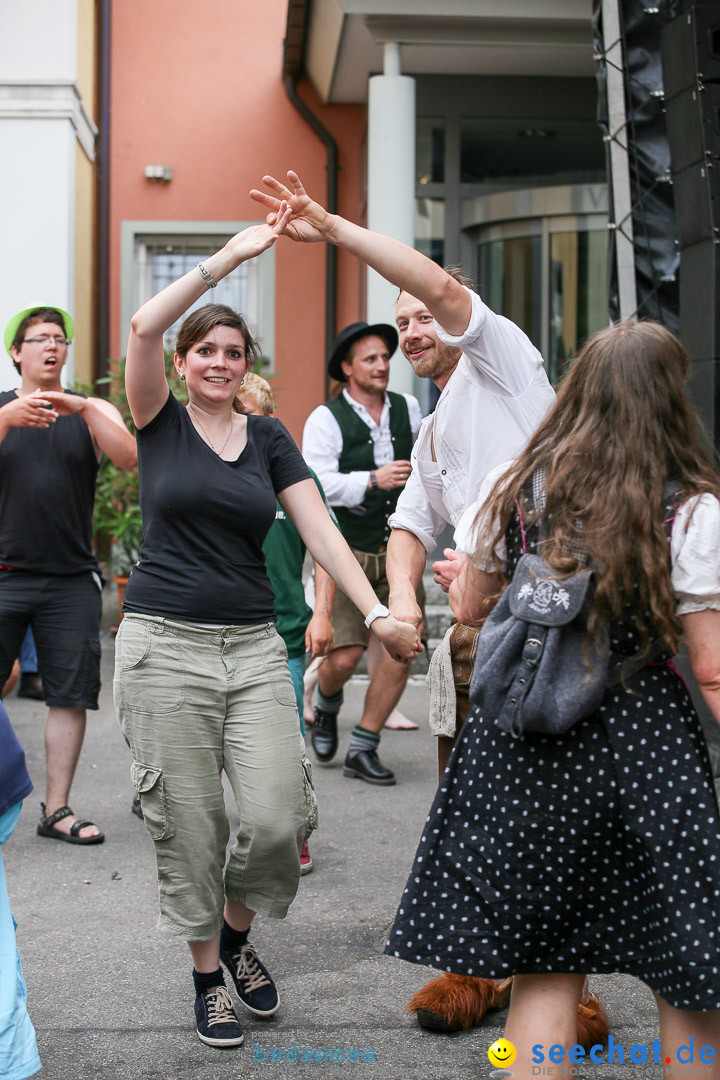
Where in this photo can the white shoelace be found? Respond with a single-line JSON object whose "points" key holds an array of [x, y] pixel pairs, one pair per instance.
{"points": [[249, 969], [219, 1007]]}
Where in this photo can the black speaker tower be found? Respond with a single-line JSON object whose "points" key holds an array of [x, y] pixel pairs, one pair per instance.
{"points": [[690, 48]]}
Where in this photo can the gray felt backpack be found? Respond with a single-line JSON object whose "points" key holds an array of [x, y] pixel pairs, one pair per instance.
{"points": [[535, 670]]}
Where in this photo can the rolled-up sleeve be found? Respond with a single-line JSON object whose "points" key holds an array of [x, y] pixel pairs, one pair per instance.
{"points": [[415, 514], [497, 349], [321, 446], [474, 532], [695, 551]]}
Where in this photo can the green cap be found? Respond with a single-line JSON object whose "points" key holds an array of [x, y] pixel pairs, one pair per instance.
{"points": [[12, 326]]}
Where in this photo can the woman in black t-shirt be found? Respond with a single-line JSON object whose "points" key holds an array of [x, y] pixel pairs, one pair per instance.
{"points": [[201, 682]]}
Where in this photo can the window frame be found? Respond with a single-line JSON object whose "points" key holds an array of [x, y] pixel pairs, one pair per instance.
{"points": [[216, 232]]}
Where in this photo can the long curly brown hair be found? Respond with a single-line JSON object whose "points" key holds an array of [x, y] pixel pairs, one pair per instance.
{"points": [[621, 428]]}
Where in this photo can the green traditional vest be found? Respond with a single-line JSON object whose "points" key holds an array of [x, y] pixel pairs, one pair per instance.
{"points": [[365, 527]]}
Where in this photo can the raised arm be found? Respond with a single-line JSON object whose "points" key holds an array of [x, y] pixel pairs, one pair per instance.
{"points": [[327, 546], [147, 387], [411, 271]]}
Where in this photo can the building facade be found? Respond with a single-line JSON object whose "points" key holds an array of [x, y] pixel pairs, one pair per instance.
{"points": [[466, 128]]}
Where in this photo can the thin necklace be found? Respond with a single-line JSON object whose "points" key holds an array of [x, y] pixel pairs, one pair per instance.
{"points": [[207, 437]]}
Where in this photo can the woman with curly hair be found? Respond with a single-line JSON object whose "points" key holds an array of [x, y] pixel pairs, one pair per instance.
{"points": [[547, 857]]}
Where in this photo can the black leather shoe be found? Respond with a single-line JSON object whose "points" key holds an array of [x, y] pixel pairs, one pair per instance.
{"points": [[31, 686], [324, 736], [367, 766]]}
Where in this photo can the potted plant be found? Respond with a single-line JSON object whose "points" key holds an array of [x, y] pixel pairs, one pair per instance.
{"points": [[116, 521]]}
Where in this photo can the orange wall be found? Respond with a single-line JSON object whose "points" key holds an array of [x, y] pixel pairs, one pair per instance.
{"points": [[199, 87]]}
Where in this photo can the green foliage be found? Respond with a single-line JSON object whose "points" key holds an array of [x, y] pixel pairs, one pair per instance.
{"points": [[117, 523]]}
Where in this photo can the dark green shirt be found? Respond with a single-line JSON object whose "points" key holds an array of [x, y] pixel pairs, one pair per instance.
{"points": [[284, 553]]}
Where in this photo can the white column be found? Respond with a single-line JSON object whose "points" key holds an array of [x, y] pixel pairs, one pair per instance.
{"points": [[391, 186], [619, 163]]}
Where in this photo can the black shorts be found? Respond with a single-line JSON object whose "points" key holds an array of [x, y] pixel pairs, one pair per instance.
{"points": [[64, 613]]}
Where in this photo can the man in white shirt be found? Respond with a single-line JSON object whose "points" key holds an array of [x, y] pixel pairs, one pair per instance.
{"points": [[359, 445], [494, 393]]}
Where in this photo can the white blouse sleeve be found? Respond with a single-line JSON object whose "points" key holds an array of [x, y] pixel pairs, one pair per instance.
{"points": [[473, 534], [695, 554]]}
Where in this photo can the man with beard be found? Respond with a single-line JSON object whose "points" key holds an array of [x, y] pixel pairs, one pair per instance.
{"points": [[494, 394]]}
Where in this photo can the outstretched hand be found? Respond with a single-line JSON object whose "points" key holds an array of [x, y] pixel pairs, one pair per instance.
{"points": [[258, 238], [308, 220]]}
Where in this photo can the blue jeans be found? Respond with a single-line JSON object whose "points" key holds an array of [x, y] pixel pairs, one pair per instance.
{"points": [[18, 1048], [297, 670], [28, 653]]}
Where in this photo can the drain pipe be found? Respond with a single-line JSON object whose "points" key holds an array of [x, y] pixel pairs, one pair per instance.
{"points": [[331, 201], [102, 240]]}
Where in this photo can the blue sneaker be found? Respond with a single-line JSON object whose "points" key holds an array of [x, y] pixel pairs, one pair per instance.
{"points": [[253, 981], [217, 1024]]}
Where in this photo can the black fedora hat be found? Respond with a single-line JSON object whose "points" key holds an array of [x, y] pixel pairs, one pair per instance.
{"points": [[353, 333]]}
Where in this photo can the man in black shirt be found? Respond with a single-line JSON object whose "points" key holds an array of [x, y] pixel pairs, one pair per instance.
{"points": [[51, 442]]}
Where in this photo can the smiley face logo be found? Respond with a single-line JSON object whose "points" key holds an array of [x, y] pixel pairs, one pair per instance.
{"points": [[501, 1053]]}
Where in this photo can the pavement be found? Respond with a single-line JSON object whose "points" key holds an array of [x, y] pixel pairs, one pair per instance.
{"points": [[111, 998]]}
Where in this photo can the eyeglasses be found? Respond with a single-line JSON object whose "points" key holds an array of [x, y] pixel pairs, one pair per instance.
{"points": [[45, 339]]}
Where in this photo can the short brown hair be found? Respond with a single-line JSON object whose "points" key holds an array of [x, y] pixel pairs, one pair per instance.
{"points": [[199, 323], [455, 272], [259, 388], [460, 275], [37, 315]]}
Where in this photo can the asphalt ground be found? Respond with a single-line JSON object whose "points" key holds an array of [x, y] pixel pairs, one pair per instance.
{"points": [[112, 998]]}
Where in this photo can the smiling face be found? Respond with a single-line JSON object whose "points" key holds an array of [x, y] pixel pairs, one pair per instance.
{"points": [[430, 357], [502, 1053], [367, 366], [41, 362], [214, 367]]}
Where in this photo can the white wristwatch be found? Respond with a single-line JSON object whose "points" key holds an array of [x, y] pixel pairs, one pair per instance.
{"points": [[378, 612]]}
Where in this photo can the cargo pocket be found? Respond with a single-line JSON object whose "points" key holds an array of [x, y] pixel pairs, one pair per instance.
{"points": [[311, 803], [277, 673], [150, 786], [151, 674]]}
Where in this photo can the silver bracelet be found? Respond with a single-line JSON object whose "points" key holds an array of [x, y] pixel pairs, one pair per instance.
{"points": [[207, 278]]}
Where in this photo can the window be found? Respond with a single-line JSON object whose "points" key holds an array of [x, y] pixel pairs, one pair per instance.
{"points": [[430, 228], [157, 253], [429, 150], [509, 278], [507, 150]]}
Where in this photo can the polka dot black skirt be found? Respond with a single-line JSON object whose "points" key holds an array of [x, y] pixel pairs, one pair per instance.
{"points": [[596, 851]]}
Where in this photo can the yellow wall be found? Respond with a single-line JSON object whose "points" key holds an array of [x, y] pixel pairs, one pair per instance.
{"points": [[84, 351], [85, 277]]}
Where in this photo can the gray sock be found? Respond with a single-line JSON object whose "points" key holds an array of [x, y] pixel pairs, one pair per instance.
{"points": [[329, 704], [362, 739]]}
